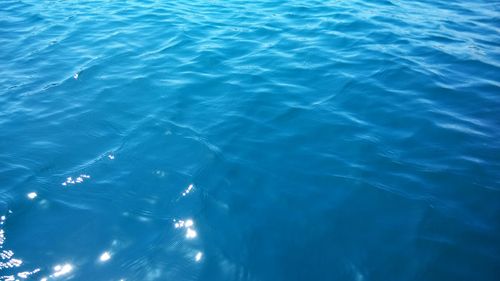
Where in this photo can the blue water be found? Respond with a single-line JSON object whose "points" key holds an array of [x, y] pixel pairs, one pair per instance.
{"points": [[250, 140]]}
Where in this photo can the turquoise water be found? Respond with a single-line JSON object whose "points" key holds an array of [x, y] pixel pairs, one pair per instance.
{"points": [[250, 140]]}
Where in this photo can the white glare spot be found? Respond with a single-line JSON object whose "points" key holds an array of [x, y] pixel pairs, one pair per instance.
{"points": [[43, 279], [32, 195], [179, 224], [111, 156], [79, 179], [10, 263], [190, 233], [62, 269], [26, 274], [188, 223], [105, 257], [198, 256], [189, 189], [75, 76]]}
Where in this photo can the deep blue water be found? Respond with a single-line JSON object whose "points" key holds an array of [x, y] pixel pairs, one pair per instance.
{"points": [[250, 140]]}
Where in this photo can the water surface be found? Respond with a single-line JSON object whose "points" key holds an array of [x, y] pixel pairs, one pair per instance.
{"points": [[250, 140]]}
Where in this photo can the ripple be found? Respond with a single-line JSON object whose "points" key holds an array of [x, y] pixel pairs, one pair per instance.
{"points": [[236, 140]]}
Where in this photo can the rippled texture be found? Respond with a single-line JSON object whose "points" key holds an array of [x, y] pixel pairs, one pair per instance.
{"points": [[250, 140]]}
